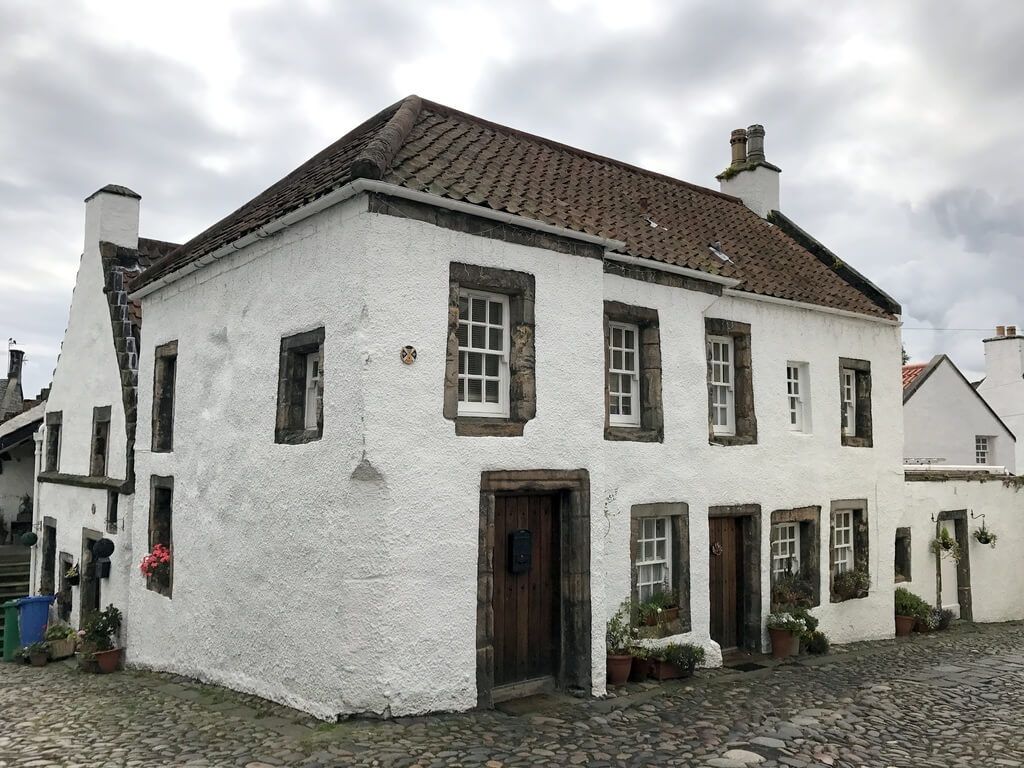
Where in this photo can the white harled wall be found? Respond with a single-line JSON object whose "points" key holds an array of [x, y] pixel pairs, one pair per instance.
{"points": [[1003, 385], [340, 576]]}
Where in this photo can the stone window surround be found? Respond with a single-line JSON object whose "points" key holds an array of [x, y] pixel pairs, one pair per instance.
{"points": [[678, 513], [98, 455], [157, 482], [862, 371], [54, 420], [963, 569], [861, 541], [521, 291], [652, 416], [573, 487], [743, 382], [750, 515], [290, 427], [808, 518], [904, 549], [165, 364]]}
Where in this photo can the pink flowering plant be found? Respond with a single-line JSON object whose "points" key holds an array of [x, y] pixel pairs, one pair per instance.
{"points": [[157, 564]]}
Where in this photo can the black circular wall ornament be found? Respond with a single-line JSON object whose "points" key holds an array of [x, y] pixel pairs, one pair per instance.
{"points": [[408, 354], [29, 539], [103, 548]]}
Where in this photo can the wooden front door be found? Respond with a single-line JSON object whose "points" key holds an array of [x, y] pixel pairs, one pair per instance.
{"points": [[726, 534], [527, 594]]}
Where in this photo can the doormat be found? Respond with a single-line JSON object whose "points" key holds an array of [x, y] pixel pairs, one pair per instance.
{"points": [[748, 666]]}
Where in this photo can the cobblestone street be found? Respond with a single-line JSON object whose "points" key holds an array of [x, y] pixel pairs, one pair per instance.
{"points": [[952, 699]]}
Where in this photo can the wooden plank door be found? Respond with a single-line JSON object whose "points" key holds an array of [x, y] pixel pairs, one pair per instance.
{"points": [[726, 534], [527, 604]]}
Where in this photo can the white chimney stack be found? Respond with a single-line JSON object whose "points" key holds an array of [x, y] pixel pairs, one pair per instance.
{"points": [[1003, 385], [749, 176], [112, 216]]}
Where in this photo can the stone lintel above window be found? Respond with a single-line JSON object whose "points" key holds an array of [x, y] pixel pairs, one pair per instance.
{"points": [[743, 382], [808, 518], [291, 391], [521, 396], [862, 370], [652, 417], [678, 515]]}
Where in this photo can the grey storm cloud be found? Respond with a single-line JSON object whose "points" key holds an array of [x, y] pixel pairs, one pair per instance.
{"points": [[884, 118]]}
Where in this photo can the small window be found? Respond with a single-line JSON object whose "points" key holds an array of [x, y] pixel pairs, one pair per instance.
{"points": [[623, 375], [112, 513], [849, 388], [798, 396], [100, 438], [483, 354], [842, 541], [785, 550], [654, 557], [165, 367], [53, 441], [161, 502], [300, 388], [982, 449], [855, 402], [723, 405], [902, 554]]}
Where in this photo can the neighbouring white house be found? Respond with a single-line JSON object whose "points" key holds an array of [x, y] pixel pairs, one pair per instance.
{"points": [[19, 420], [1003, 385], [428, 409], [85, 468], [946, 421]]}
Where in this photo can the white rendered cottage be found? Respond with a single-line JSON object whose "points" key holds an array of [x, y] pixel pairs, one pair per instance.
{"points": [[449, 393], [85, 468], [1003, 385]]}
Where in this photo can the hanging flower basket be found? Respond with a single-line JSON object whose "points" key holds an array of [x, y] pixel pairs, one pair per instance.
{"points": [[944, 545], [984, 536]]}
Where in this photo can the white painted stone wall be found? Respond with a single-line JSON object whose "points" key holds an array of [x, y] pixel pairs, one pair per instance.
{"points": [[757, 188], [1003, 386], [298, 582], [997, 579], [942, 418], [87, 375]]}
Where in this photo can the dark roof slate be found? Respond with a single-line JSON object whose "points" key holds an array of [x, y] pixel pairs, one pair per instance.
{"points": [[432, 148]]}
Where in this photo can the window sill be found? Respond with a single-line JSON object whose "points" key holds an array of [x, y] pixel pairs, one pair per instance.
{"points": [[297, 436], [837, 599], [732, 440], [633, 434], [856, 442], [481, 426]]}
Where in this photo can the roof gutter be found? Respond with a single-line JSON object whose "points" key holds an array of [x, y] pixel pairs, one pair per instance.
{"points": [[662, 266], [811, 307], [358, 186]]}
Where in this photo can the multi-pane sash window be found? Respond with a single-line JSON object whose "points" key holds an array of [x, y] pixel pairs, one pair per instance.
{"points": [[981, 449], [785, 549], [795, 393], [653, 557], [723, 406], [849, 391], [483, 354], [842, 540], [623, 375], [314, 394]]}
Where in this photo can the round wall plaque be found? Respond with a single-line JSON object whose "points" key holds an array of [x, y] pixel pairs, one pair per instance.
{"points": [[408, 355]]}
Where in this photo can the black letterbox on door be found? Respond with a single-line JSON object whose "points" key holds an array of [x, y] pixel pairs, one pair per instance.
{"points": [[520, 550]]}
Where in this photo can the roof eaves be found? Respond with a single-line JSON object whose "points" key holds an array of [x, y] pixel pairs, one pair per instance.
{"points": [[922, 376]]}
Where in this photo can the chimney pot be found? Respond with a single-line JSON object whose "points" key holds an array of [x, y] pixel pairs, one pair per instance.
{"points": [[1000, 330], [1011, 330], [755, 144], [738, 143], [15, 359]]}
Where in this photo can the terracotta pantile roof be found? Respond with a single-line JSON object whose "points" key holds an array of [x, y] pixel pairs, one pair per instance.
{"points": [[431, 148], [911, 372]]}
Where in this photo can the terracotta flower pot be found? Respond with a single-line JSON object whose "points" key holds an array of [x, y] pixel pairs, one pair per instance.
{"points": [[641, 670], [109, 661], [618, 669], [782, 642], [38, 659], [905, 625], [663, 670]]}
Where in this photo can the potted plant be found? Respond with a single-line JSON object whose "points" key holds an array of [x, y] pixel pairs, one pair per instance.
{"points": [[72, 575], [643, 663], [810, 627], [785, 630], [944, 545], [156, 566], [851, 584], [792, 590], [909, 608], [984, 536], [61, 639], [675, 660], [659, 609], [619, 637], [36, 654], [98, 638]]}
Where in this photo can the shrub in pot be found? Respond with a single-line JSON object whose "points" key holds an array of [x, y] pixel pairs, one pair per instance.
{"points": [[620, 637], [817, 643], [61, 638], [36, 654], [643, 663], [785, 630], [791, 590], [984, 536], [676, 660], [98, 634], [659, 609], [909, 610], [850, 585]]}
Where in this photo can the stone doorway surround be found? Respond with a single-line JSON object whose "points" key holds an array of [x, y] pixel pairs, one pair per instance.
{"points": [[963, 568], [750, 521], [573, 491]]}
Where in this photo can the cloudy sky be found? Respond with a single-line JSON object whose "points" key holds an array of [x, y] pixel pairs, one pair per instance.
{"points": [[897, 125]]}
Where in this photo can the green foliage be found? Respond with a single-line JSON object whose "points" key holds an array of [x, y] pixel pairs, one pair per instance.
{"points": [[101, 627], [945, 545], [851, 584], [682, 655], [59, 631], [817, 643], [650, 610], [620, 634], [909, 604], [984, 536], [791, 590], [35, 649], [944, 617]]}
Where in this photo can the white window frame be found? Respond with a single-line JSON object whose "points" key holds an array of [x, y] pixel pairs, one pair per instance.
{"points": [[723, 384], [314, 393], [842, 541], [483, 408], [615, 375], [982, 448], [647, 542], [849, 395], [798, 396], [785, 549]]}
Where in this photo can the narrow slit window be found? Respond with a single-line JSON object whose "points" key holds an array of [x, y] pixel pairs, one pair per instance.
{"points": [[314, 392], [53, 440], [161, 502], [849, 391], [723, 405], [165, 367], [483, 354], [100, 440], [623, 375]]}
